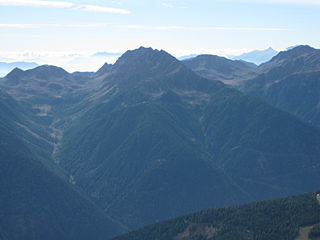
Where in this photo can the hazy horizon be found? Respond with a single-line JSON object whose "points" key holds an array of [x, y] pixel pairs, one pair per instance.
{"points": [[68, 33], [89, 62]]}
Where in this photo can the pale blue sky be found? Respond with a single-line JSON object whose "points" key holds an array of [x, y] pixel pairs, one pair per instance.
{"points": [[225, 27]]}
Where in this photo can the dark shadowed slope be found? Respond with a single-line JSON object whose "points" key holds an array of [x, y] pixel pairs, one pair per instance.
{"points": [[36, 203], [157, 141], [137, 148]]}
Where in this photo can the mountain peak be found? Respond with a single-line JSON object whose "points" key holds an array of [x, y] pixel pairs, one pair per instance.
{"points": [[213, 61], [138, 52], [143, 54], [295, 52], [16, 72], [103, 69], [145, 62], [220, 68], [47, 71], [50, 68], [302, 49], [153, 70], [13, 77], [142, 48], [290, 55]]}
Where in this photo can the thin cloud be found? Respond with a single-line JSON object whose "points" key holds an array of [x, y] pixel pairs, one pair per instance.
{"points": [[303, 2], [96, 8], [170, 5], [144, 27], [23, 25], [139, 27], [296, 2], [36, 3], [62, 4], [167, 5]]}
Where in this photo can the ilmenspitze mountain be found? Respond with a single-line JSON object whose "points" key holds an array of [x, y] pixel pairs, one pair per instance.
{"points": [[93, 155]]}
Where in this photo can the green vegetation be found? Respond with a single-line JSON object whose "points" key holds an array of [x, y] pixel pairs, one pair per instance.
{"points": [[35, 202], [267, 220], [157, 141], [147, 140]]}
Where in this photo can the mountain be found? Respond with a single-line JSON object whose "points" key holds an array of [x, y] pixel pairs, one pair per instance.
{"points": [[48, 90], [7, 67], [220, 68], [36, 201], [128, 167], [291, 81], [48, 95], [103, 69], [147, 139], [257, 56], [154, 141], [288, 219], [298, 59], [44, 79]]}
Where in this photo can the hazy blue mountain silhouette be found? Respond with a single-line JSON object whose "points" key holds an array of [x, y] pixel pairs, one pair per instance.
{"points": [[257, 56]]}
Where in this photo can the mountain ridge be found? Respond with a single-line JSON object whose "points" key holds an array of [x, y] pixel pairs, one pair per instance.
{"points": [[148, 139], [6, 67], [290, 81], [219, 68], [204, 116]]}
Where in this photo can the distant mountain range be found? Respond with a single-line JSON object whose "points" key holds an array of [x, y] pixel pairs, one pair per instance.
{"points": [[5, 67], [257, 56], [151, 138]]}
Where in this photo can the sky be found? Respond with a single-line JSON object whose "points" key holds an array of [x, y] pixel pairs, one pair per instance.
{"points": [[68, 33]]}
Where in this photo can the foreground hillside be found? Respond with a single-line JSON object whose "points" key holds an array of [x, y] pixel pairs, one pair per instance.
{"points": [[286, 219]]}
